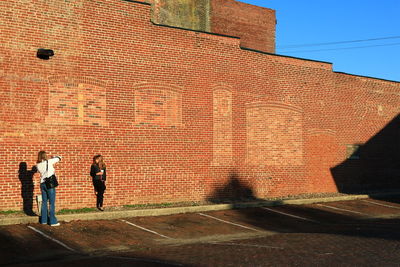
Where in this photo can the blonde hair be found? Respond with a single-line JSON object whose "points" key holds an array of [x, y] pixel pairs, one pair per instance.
{"points": [[42, 155]]}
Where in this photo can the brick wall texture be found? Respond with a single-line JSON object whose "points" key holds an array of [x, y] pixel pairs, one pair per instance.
{"points": [[179, 115]]}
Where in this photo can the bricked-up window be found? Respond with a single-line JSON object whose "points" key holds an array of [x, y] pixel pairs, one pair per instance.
{"points": [[274, 134], [353, 151], [158, 107], [222, 127], [76, 102]]}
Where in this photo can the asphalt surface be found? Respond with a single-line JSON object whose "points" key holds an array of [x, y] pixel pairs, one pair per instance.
{"points": [[354, 232]]}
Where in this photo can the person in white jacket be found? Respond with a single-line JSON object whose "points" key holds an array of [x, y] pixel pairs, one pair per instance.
{"points": [[46, 169]]}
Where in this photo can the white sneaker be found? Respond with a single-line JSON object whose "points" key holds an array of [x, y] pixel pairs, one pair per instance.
{"points": [[56, 224]]}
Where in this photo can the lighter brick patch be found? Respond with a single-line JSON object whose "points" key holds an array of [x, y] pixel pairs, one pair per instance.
{"points": [[222, 127], [274, 135], [158, 106], [76, 102]]}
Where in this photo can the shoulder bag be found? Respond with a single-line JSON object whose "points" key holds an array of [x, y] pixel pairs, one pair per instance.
{"points": [[51, 182]]}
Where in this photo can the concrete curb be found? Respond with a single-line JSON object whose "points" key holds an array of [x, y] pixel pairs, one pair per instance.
{"points": [[109, 215]]}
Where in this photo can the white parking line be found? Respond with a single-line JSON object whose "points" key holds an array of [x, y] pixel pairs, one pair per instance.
{"points": [[379, 204], [215, 218], [291, 215], [52, 239], [145, 229], [352, 211]]}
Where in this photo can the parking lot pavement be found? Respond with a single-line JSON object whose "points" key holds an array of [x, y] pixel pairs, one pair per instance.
{"points": [[288, 249], [362, 208], [18, 243], [357, 233], [188, 225]]}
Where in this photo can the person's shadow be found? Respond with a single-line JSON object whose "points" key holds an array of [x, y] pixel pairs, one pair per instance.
{"points": [[27, 187]]}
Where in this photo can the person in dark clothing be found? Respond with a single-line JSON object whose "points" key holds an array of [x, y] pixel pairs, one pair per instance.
{"points": [[99, 176]]}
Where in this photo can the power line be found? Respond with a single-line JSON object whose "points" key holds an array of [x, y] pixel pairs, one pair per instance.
{"points": [[341, 42], [344, 48]]}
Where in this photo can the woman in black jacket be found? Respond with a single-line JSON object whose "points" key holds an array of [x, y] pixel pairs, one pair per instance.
{"points": [[99, 176]]}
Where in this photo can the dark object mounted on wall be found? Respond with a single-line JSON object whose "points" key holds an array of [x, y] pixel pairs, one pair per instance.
{"points": [[44, 53]]}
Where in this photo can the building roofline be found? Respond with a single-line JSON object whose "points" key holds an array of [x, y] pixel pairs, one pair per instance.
{"points": [[278, 55], [224, 35], [255, 50], [363, 76], [191, 30], [138, 2]]}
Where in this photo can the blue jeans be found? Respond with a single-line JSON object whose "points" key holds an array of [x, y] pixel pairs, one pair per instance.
{"points": [[48, 195]]}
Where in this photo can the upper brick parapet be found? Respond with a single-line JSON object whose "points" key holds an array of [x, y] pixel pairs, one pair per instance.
{"points": [[254, 25]]}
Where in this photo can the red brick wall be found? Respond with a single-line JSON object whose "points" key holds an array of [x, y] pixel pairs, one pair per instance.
{"points": [[254, 25], [178, 115]]}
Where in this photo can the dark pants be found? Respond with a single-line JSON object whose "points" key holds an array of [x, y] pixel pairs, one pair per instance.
{"points": [[100, 187]]}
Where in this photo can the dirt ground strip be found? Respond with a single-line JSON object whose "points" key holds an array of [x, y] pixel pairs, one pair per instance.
{"points": [[346, 233]]}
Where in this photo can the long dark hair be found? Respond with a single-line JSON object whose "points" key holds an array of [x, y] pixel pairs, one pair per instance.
{"points": [[101, 163]]}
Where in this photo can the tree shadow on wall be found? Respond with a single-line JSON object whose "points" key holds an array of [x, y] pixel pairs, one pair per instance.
{"points": [[234, 190], [374, 166], [27, 187]]}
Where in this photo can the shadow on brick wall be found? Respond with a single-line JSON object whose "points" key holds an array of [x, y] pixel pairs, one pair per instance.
{"points": [[27, 187], [373, 166], [234, 190]]}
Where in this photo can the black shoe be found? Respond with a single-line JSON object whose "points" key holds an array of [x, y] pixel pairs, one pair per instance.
{"points": [[100, 208]]}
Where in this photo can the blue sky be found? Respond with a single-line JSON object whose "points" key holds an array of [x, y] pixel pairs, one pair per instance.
{"points": [[325, 21]]}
